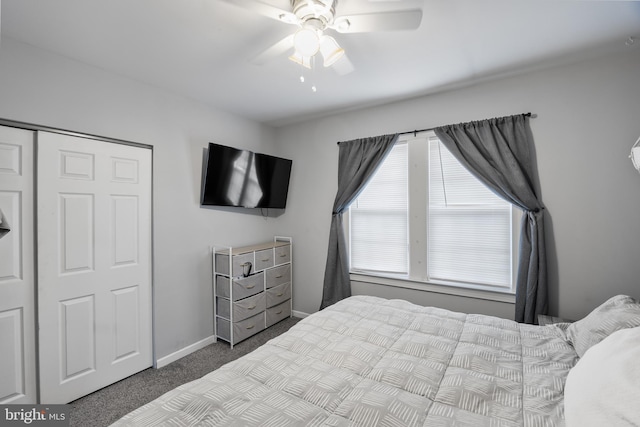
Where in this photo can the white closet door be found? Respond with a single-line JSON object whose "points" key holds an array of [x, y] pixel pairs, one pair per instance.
{"points": [[94, 264], [17, 305]]}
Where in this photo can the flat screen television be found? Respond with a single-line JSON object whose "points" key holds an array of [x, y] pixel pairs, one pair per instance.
{"points": [[242, 178]]}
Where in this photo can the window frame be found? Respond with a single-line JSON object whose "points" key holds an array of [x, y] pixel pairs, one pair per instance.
{"points": [[418, 211]]}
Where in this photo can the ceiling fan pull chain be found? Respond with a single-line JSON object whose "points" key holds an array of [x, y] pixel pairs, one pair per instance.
{"points": [[313, 74]]}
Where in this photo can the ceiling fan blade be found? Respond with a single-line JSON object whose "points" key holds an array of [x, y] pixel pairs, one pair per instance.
{"points": [[275, 50], [265, 9], [343, 66], [383, 21]]}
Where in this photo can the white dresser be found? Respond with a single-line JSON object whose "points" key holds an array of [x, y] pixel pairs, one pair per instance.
{"points": [[251, 287]]}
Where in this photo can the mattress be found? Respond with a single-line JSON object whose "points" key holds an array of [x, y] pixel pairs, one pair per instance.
{"points": [[367, 361]]}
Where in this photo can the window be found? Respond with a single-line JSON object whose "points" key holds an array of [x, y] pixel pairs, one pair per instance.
{"points": [[424, 218], [379, 218]]}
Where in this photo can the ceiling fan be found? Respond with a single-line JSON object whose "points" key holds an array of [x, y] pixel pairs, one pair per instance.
{"points": [[313, 18]]}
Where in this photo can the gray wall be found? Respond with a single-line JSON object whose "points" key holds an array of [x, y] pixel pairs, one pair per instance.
{"points": [[588, 117], [45, 89]]}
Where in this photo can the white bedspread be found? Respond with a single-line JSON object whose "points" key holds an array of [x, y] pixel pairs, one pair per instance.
{"points": [[367, 361]]}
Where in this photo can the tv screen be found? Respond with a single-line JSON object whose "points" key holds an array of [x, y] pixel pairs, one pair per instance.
{"points": [[234, 177]]}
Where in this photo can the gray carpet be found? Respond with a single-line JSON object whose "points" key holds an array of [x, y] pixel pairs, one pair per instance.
{"points": [[107, 405]]}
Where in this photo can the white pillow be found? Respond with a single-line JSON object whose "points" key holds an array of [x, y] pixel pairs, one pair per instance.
{"points": [[603, 389]]}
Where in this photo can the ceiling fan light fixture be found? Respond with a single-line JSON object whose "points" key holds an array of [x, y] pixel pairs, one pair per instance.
{"points": [[305, 61], [306, 42], [331, 51]]}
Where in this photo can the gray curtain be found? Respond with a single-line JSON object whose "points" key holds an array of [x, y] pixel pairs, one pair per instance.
{"points": [[499, 152], [357, 162]]}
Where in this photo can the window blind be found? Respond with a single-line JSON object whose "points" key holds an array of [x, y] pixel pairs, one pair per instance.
{"points": [[469, 239], [379, 218], [469, 227]]}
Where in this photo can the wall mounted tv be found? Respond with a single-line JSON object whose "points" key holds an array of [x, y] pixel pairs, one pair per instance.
{"points": [[234, 177]]}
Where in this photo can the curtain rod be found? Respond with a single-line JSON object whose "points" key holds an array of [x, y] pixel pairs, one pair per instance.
{"points": [[415, 132]]}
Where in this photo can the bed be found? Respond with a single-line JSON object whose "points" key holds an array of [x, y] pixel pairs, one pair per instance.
{"points": [[367, 361]]}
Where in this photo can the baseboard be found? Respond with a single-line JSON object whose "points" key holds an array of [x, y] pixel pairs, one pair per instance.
{"points": [[164, 361], [299, 314]]}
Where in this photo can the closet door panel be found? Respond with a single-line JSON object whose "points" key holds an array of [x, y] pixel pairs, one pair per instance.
{"points": [[11, 243], [17, 306], [94, 264]]}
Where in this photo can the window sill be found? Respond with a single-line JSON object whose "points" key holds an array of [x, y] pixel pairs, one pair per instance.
{"points": [[468, 292]]}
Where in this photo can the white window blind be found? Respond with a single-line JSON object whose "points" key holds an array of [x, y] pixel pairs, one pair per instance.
{"points": [[379, 218], [469, 227], [462, 233]]}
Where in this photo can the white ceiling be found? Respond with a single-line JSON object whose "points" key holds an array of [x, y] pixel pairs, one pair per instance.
{"points": [[202, 48]]}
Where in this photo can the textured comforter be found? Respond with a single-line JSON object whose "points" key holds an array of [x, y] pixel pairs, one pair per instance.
{"points": [[367, 361]]}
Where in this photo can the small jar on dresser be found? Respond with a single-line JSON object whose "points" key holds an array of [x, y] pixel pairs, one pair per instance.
{"points": [[251, 288]]}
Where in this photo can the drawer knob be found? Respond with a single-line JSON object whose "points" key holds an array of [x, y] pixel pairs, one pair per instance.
{"points": [[280, 276], [280, 294], [251, 308], [250, 327], [264, 259], [279, 312], [283, 255], [251, 286]]}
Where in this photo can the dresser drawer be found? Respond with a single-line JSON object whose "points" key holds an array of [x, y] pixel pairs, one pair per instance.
{"points": [[282, 254], [278, 275], [241, 330], [278, 313], [264, 259], [242, 288], [237, 264], [278, 294], [240, 310]]}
